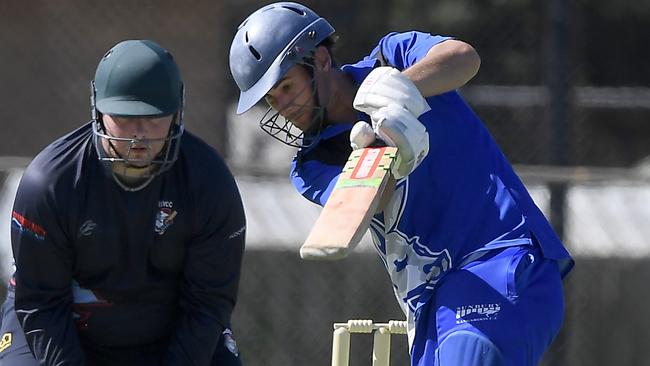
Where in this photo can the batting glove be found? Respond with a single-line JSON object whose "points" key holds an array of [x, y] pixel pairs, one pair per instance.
{"points": [[386, 86], [399, 128], [361, 135]]}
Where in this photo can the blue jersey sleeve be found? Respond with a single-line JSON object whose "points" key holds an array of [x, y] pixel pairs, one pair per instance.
{"points": [[315, 169], [314, 180], [402, 50]]}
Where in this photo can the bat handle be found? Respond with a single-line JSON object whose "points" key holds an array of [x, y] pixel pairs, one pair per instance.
{"points": [[378, 143]]}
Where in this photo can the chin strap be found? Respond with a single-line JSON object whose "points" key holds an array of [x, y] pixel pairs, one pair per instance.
{"points": [[319, 113]]}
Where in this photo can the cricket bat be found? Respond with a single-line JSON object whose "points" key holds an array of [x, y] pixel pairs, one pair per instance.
{"points": [[351, 205]]}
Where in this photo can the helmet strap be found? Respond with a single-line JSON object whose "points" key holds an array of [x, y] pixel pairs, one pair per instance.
{"points": [[319, 112]]}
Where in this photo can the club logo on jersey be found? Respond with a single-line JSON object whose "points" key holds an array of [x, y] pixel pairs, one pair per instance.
{"points": [[413, 265], [165, 216], [477, 313], [5, 341], [20, 223]]}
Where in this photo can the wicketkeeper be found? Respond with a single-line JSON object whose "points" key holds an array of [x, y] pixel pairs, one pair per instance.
{"points": [[127, 233]]}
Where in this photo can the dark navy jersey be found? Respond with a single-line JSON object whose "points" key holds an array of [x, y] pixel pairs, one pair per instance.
{"points": [[101, 271]]}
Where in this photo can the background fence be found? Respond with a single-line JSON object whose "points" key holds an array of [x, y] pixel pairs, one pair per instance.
{"points": [[563, 88]]}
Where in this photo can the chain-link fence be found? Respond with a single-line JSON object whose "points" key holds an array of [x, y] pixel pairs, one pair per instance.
{"points": [[563, 88]]}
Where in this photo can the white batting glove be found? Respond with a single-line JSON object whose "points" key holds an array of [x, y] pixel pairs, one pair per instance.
{"points": [[386, 86], [397, 127], [361, 135]]}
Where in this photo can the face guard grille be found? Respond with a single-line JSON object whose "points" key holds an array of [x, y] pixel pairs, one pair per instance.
{"points": [[285, 131]]}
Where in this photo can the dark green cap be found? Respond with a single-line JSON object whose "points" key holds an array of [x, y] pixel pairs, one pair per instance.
{"points": [[138, 78]]}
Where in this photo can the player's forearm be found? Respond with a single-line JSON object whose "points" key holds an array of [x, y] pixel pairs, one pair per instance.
{"points": [[50, 336], [195, 341], [447, 66], [204, 316], [43, 301], [208, 294]]}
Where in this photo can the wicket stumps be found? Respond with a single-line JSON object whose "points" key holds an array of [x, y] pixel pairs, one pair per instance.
{"points": [[381, 341]]}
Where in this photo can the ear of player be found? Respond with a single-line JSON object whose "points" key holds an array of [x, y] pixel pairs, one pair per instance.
{"points": [[393, 103]]}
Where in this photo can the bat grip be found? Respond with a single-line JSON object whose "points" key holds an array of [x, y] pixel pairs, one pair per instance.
{"points": [[378, 143]]}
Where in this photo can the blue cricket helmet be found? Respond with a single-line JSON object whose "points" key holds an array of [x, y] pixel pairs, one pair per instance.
{"points": [[268, 43]]}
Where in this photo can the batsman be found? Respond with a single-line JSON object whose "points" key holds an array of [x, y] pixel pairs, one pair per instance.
{"points": [[475, 265]]}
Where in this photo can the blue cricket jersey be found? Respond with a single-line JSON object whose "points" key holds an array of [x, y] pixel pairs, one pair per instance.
{"points": [[463, 200]]}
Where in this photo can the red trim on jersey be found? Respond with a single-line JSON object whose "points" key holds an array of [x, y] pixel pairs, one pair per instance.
{"points": [[28, 224]]}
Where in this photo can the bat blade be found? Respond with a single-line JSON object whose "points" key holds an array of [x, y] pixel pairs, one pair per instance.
{"points": [[351, 205]]}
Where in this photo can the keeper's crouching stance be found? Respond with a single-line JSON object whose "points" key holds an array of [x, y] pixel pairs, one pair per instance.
{"points": [[14, 350], [474, 264], [127, 233]]}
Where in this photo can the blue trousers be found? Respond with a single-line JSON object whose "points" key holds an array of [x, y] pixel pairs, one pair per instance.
{"points": [[503, 309]]}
